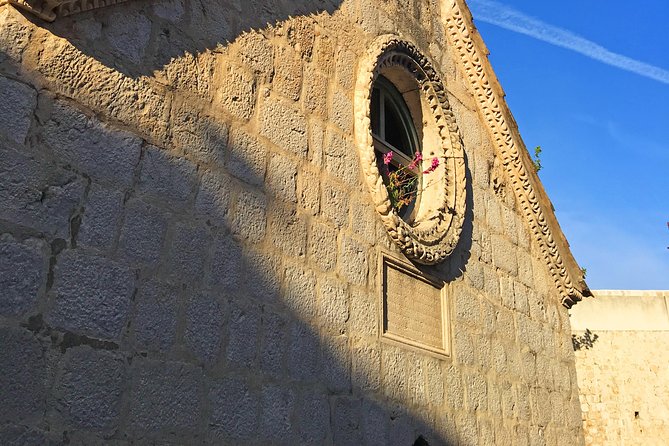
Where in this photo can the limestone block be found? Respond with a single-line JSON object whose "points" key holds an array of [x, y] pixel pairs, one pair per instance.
{"points": [[346, 418], [336, 364], [288, 231], [315, 93], [277, 403], [467, 307], [334, 204], [333, 305], [92, 295], [308, 186], [236, 90], [225, 271], [257, 52], [366, 368], [199, 135], [504, 254], [103, 153], [249, 221], [316, 138], [363, 221], [165, 396], [287, 79], [274, 345], [282, 178], [313, 419], [248, 157], [235, 409], [204, 326], [89, 388], [24, 436], [22, 376], [341, 160], [170, 10], [393, 376], [23, 271], [155, 321], [266, 269], [321, 239], [16, 109], [213, 198], [284, 126], [353, 264], [300, 296], [167, 178], [143, 232], [464, 348], [324, 52], [36, 194], [129, 35], [364, 313], [304, 362], [188, 251], [14, 34], [243, 332], [341, 111], [101, 218], [375, 424], [345, 65]]}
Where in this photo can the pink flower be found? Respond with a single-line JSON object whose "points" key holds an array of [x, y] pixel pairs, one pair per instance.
{"points": [[387, 158], [418, 157], [433, 166]]}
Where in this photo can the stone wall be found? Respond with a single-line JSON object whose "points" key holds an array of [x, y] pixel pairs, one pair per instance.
{"points": [[188, 252], [621, 364]]}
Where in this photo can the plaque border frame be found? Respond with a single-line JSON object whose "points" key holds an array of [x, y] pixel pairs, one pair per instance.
{"points": [[386, 258]]}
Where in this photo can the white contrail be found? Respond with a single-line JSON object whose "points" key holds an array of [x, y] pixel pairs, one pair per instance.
{"points": [[513, 20]]}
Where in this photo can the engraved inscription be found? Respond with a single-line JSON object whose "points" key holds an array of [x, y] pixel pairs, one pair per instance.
{"points": [[413, 308]]}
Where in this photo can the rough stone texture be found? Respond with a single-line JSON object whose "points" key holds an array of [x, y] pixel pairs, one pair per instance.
{"points": [[621, 365], [165, 397], [92, 295], [16, 109], [23, 376], [186, 238], [90, 387], [22, 275]]}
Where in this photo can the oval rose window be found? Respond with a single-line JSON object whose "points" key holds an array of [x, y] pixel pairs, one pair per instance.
{"points": [[410, 150]]}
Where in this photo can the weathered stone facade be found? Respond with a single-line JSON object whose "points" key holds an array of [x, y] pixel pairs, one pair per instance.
{"points": [[190, 252], [621, 340]]}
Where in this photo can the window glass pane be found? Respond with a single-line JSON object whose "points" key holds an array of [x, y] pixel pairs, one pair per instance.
{"points": [[396, 133]]}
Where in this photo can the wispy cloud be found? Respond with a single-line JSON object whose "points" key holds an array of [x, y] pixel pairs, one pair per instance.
{"points": [[508, 18]]}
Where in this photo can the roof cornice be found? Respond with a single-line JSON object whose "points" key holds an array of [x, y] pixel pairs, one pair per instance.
{"points": [[509, 146]]}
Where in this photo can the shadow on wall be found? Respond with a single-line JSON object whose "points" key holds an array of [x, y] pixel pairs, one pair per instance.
{"points": [[123, 38], [585, 341], [196, 292], [170, 302]]}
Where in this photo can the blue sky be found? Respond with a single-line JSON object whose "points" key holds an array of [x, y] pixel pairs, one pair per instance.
{"points": [[589, 83]]}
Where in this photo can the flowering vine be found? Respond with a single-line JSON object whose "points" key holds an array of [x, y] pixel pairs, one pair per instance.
{"points": [[402, 182]]}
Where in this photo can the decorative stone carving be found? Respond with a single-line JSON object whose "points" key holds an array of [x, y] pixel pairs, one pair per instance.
{"points": [[489, 101], [435, 231], [50, 9]]}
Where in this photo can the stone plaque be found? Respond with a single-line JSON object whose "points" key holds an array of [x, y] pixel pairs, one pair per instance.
{"points": [[414, 310]]}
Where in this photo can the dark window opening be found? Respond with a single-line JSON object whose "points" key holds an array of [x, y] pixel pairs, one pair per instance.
{"points": [[420, 441], [393, 131]]}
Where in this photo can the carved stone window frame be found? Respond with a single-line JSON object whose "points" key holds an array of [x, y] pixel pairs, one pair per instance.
{"points": [[433, 234]]}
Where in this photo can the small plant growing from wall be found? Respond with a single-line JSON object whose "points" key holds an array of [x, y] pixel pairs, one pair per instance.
{"points": [[536, 160]]}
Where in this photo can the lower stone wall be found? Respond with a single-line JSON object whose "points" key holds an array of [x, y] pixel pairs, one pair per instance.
{"points": [[622, 367]]}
